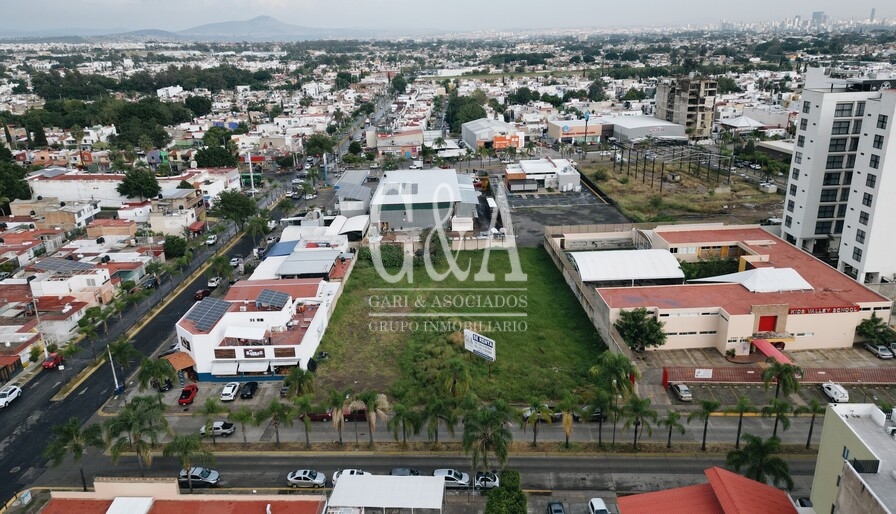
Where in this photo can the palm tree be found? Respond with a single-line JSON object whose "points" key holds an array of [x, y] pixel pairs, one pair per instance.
{"points": [[673, 421], [188, 450], [707, 408], [486, 431], [757, 456], [375, 406], [529, 147], [638, 414], [313, 175], [155, 268], [786, 377], [68, 438], [814, 408], [123, 353], [336, 402], [300, 379], [781, 411], [600, 403], [302, 407], [743, 406], [439, 410], [278, 413], [405, 421], [537, 412], [256, 227], [456, 378], [615, 369], [243, 415], [139, 420], [570, 408], [88, 330], [219, 266], [211, 409], [155, 371]]}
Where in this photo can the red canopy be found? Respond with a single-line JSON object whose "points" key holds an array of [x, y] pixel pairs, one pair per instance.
{"points": [[770, 351], [197, 226]]}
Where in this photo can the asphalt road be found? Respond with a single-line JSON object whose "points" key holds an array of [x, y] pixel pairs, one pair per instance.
{"points": [[26, 423]]}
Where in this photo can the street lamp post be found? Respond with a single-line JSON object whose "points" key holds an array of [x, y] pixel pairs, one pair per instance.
{"points": [[39, 333], [615, 411], [585, 144]]}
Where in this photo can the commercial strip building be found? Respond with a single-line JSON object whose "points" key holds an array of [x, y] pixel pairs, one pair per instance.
{"points": [[488, 133], [417, 199], [532, 174], [623, 128], [855, 469], [837, 191], [779, 297]]}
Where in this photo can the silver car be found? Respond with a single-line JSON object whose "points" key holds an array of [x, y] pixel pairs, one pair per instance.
{"points": [[879, 350], [682, 392], [306, 478]]}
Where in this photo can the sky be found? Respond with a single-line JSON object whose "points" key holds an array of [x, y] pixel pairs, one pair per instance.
{"points": [[453, 15]]}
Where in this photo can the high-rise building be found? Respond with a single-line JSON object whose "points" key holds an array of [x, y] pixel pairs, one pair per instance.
{"points": [[818, 18], [836, 204], [689, 102]]}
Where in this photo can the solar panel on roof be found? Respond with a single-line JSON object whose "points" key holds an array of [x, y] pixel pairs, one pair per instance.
{"points": [[56, 264], [207, 312], [269, 297]]}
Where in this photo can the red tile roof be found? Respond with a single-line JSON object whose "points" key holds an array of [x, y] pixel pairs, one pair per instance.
{"points": [[726, 493], [831, 288], [72, 506]]}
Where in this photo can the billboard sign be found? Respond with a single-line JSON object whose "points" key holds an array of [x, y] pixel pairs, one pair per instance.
{"points": [[479, 345]]}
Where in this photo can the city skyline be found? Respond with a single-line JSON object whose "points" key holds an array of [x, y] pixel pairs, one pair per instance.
{"points": [[106, 16]]}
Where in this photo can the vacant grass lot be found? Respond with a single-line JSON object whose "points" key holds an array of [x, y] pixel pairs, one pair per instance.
{"points": [[379, 341]]}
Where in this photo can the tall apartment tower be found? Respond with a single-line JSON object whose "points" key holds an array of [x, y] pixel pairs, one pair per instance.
{"points": [[838, 197], [689, 102]]}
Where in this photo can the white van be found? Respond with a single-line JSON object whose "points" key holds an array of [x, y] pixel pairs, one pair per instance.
{"points": [[836, 392]]}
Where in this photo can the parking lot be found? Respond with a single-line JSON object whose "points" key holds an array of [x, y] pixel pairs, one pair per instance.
{"points": [[553, 199]]}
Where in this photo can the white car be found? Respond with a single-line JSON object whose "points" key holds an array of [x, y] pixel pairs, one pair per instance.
{"points": [[236, 261], [211, 239], [597, 506], [836, 392], [413, 167], [214, 282], [8, 394], [310, 196], [230, 391], [348, 472], [507, 161], [453, 478], [297, 181], [220, 429], [374, 166], [306, 478]]}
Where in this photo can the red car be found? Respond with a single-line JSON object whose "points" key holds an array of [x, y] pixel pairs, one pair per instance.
{"points": [[53, 361], [202, 293], [348, 415], [187, 394]]}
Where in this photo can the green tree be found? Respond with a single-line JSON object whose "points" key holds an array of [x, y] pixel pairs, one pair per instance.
{"points": [[760, 462], [743, 406], [596, 91], [217, 136], [155, 371], [638, 414], [876, 330], [219, 266], [399, 84], [509, 498], [137, 427], [639, 329], [355, 148], [244, 415], [278, 413], [336, 403], [200, 105], [673, 422], [536, 413], [175, 246], [256, 228], [211, 409], [570, 408], [781, 411], [70, 439], [375, 406], [215, 157], [615, 369], [300, 381], [814, 407], [319, 144], [707, 408], [455, 378], [40, 137], [139, 182], [123, 354], [439, 410], [404, 421], [302, 407], [786, 377], [188, 450], [234, 206], [486, 433]]}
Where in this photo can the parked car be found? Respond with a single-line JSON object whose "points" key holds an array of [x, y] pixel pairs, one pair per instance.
{"points": [[682, 392], [310, 196], [202, 293], [236, 261], [229, 392], [211, 240], [556, 508], [187, 394], [453, 478], [404, 472], [8, 394], [248, 390], [836, 392], [879, 350], [297, 181], [220, 429], [374, 166], [597, 506], [161, 387], [413, 167], [347, 415], [53, 361], [214, 282], [348, 472], [487, 479], [306, 478], [595, 414], [200, 477]]}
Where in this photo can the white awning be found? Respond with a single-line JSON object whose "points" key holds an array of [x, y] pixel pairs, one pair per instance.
{"points": [[618, 265], [284, 362], [254, 366], [254, 333], [388, 492], [764, 280], [224, 367]]}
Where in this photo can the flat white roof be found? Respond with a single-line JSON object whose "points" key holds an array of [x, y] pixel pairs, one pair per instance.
{"points": [[627, 265], [388, 492], [399, 187], [254, 333]]}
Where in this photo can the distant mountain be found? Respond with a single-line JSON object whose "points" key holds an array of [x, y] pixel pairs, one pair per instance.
{"points": [[142, 35], [261, 28]]}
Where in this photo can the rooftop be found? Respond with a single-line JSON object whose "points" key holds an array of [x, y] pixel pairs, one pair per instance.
{"points": [[861, 420]]}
